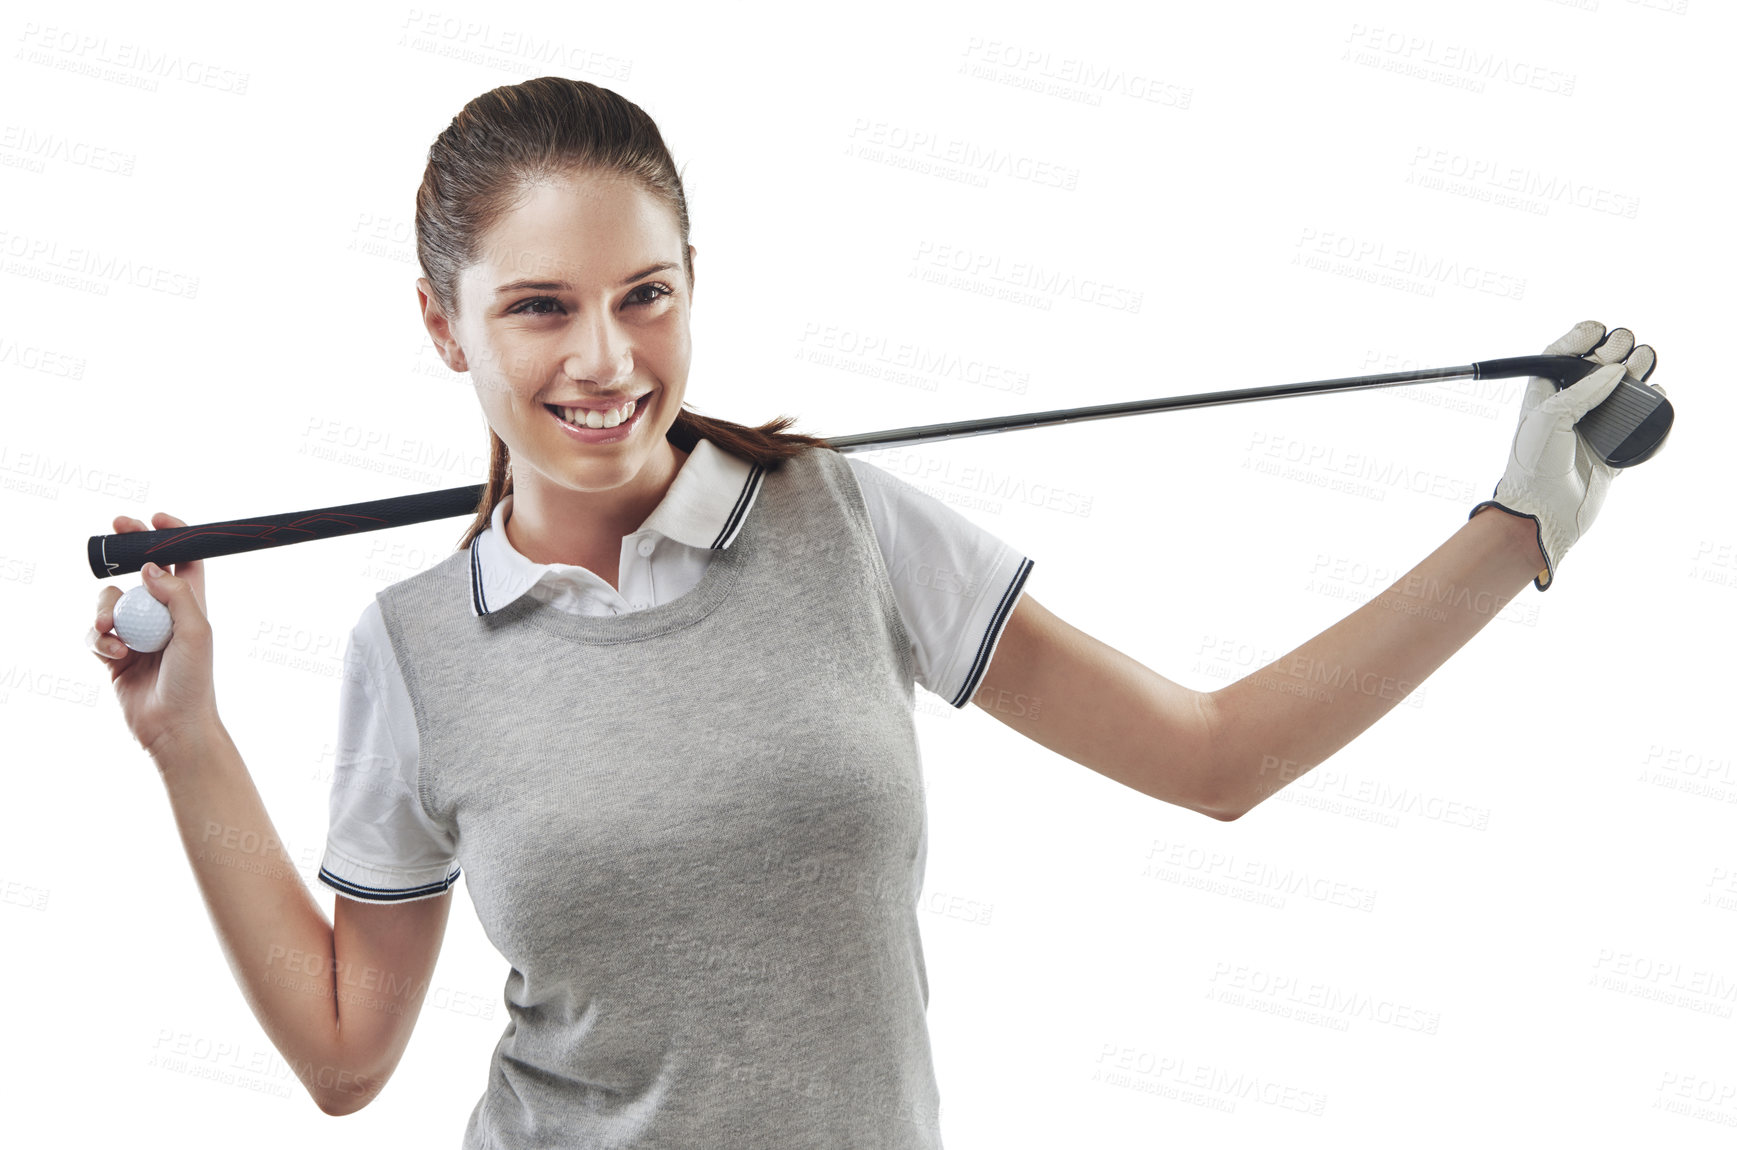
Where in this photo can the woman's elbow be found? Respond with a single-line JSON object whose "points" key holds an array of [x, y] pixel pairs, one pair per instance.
{"points": [[1214, 796], [344, 1092], [1226, 814], [1219, 807], [339, 1105]]}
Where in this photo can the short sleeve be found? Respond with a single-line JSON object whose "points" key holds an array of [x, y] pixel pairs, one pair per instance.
{"points": [[956, 584], [381, 845]]}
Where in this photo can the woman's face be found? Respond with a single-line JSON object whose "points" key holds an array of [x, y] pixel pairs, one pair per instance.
{"points": [[578, 299]]}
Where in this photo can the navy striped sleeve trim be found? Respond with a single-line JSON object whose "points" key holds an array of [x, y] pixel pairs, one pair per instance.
{"points": [[385, 894], [739, 513], [1002, 611]]}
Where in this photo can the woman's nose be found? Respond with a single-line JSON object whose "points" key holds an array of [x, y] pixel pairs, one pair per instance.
{"points": [[598, 350]]}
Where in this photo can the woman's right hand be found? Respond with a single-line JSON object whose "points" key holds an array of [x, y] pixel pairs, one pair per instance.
{"points": [[165, 695]]}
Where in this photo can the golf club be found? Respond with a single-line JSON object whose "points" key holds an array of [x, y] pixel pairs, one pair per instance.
{"points": [[1624, 430]]}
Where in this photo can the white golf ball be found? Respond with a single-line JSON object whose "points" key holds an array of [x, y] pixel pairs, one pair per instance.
{"points": [[141, 622]]}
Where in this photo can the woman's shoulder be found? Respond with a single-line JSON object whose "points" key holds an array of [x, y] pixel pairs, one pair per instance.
{"points": [[452, 568]]}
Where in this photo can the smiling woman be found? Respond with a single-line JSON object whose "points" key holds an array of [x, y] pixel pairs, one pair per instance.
{"points": [[746, 591], [656, 707]]}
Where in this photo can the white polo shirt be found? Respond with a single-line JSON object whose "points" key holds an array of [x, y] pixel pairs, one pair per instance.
{"points": [[955, 584]]}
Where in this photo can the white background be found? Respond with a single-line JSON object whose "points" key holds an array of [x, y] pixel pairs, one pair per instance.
{"points": [[209, 310]]}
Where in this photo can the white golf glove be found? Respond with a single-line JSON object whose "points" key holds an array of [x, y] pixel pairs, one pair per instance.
{"points": [[1553, 477]]}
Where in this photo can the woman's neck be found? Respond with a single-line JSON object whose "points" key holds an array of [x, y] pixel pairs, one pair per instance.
{"points": [[550, 524]]}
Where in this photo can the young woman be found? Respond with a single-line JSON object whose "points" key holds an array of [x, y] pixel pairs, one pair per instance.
{"points": [[657, 705]]}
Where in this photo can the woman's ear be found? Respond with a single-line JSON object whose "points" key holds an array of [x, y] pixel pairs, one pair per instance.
{"points": [[439, 326], [691, 276]]}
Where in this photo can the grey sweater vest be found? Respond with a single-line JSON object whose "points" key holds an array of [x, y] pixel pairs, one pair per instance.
{"points": [[697, 833]]}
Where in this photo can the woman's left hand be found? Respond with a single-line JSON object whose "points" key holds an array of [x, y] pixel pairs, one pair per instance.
{"points": [[1553, 477]]}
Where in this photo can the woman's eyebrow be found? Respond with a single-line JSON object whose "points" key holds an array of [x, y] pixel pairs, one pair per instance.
{"points": [[563, 285]]}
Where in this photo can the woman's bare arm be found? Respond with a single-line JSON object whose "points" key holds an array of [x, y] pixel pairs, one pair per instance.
{"points": [[1223, 752], [1088, 702], [1289, 717], [339, 1004]]}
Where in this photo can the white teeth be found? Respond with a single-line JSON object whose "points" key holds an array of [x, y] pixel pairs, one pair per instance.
{"points": [[579, 417]]}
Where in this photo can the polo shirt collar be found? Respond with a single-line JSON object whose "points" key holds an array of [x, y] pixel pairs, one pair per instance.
{"points": [[705, 507]]}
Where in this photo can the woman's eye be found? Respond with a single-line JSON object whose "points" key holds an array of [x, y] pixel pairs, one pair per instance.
{"points": [[528, 308], [643, 294]]}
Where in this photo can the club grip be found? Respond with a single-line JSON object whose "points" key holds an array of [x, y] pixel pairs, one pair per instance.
{"points": [[1626, 429], [124, 553], [1561, 370]]}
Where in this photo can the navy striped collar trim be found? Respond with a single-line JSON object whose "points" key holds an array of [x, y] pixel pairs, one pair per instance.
{"points": [[706, 506]]}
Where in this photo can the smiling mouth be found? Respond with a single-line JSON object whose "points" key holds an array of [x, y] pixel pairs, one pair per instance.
{"points": [[596, 420], [612, 425]]}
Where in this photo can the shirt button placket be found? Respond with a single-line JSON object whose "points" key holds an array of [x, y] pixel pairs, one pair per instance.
{"points": [[642, 583]]}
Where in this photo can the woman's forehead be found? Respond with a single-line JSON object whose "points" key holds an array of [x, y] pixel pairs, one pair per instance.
{"points": [[592, 233], [592, 208]]}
